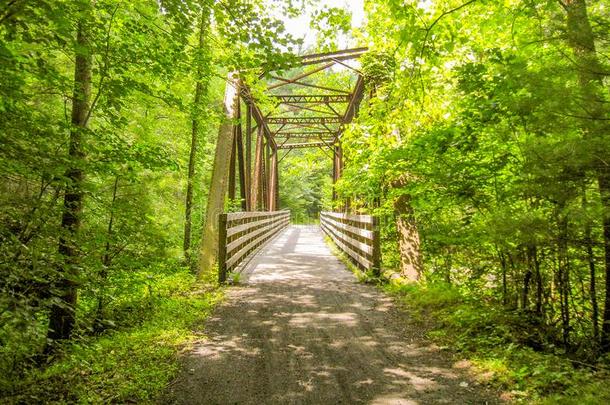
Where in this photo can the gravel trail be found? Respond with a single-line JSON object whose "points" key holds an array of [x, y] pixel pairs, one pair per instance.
{"points": [[301, 330]]}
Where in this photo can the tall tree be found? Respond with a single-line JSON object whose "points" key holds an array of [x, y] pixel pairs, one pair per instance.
{"points": [[62, 316], [220, 176], [411, 266], [202, 61], [595, 112]]}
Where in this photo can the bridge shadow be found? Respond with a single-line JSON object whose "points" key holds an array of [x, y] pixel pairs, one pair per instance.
{"points": [[303, 331]]}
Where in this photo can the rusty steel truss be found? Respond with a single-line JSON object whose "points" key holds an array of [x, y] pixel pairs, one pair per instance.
{"points": [[307, 114]]}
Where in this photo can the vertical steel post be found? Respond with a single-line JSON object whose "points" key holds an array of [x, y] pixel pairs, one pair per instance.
{"points": [[222, 248], [337, 166], [249, 157], [239, 144], [376, 247], [272, 190], [277, 182], [232, 166], [255, 192], [267, 182]]}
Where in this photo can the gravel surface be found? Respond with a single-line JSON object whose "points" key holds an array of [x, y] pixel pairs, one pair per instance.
{"points": [[301, 330]]}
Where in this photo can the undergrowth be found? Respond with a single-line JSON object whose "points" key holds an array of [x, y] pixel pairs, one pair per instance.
{"points": [[131, 363], [500, 345]]}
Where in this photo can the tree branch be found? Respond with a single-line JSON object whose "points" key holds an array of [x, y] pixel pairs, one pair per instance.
{"points": [[104, 72]]}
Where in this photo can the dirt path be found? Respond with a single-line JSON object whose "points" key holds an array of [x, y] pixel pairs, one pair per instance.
{"points": [[301, 330]]}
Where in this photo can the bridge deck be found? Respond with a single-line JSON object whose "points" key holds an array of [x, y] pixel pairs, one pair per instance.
{"points": [[301, 329], [298, 254]]}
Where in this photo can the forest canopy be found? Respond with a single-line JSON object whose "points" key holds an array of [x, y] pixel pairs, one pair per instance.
{"points": [[482, 144]]}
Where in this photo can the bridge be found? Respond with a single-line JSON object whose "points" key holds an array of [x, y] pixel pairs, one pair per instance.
{"points": [[298, 327], [262, 128], [242, 234]]}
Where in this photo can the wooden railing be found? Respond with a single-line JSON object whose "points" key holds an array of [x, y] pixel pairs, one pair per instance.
{"points": [[356, 235], [243, 233]]}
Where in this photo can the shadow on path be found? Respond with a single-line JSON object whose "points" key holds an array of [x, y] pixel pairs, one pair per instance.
{"points": [[301, 330]]}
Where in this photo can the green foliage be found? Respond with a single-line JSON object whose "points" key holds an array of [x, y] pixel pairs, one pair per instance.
{"points": [[146, 64], [485, 114], [234, 278], [330, 22], [435, 297], [378, 68], [137, 360], [476, 114], [498, 344], [305, 184]]}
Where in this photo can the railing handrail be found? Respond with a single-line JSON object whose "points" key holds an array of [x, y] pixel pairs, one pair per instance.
{"points": [[365, 219], [243, 233], [355, 235], [251, 214]]}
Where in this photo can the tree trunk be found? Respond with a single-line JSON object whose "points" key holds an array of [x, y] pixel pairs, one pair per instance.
{"points": [[504, 283], [588, 242], [604, 185], [592, 284], [590, 73], [533, 273], [408, 239], [527, 279], [220, 174], [201, 89], [538, 277], [563, 277], [62, 316], [106, 262], [515, 278]]}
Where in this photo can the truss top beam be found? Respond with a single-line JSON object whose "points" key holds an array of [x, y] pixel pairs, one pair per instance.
{"points": [[303, 145], [313, 99], [345, 54], [299, 77], [315, 119], [297, 82], [335, 53], [284, 141], [304, 120], [305, 134]]}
